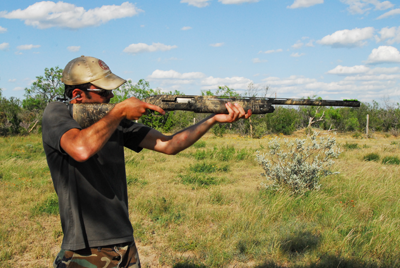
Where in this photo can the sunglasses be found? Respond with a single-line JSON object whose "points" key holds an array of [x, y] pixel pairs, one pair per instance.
{"points": [[102, 92]]}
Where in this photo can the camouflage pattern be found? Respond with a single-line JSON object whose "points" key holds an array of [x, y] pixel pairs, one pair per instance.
{"points": [[107, 257], [88, 114]]}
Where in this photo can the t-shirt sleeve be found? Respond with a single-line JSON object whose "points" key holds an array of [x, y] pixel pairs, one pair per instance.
{"points": [[134, 133], [56, 121]]}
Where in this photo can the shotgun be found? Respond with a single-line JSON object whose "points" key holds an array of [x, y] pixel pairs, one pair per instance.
{"points": [[88, 114]]}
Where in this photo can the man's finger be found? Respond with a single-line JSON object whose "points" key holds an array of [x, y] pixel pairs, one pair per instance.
{"points": [[241, 110], [249, 113], [155, 108]]}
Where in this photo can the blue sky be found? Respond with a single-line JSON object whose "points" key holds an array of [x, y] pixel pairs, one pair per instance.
{"points": [[334, 49]]}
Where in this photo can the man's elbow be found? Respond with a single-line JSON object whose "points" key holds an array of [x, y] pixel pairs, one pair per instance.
{"points": [[80, 155]]}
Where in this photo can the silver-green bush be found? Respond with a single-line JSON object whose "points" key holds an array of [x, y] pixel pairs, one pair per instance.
{"points": [[298, 165]]}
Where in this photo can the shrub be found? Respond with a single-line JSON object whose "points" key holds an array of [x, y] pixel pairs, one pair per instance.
{"points": [[357, 135], [208, 168], [199, 144], [371, 157], [391, 160], [350, 146], [200, 180], [298, 165]]}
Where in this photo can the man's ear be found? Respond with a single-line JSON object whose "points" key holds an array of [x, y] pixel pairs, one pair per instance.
{"points": [[77, 95]]}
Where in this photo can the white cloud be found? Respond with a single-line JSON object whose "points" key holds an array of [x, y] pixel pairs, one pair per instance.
{"points": [[298, 44], [305, 3], [384, 54], [18, 88], [12, 80], [232, 82], [196, 3], [142, 47], [393, 12], [344, 70], [4, 46], [186, 28], [171, 74], [3, 30], [217, 45], [74, 48], [310, 43], [27, 47], [363, 6], [348, 38], [296, 55], [271, 51], [257, 60], [391, 35], [236, 2], [290, 81], [47, 14]]}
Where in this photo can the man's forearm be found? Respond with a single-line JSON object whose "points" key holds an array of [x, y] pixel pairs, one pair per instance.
{"points": [[179, 141], [83, 144]]}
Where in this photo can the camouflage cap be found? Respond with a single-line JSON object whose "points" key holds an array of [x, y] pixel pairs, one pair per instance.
{"points": [[86, 69]]}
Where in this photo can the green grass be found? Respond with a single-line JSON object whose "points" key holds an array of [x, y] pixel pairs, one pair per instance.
{"points": [[214, 212], [391, 160], [372, 157], [350, 146]]}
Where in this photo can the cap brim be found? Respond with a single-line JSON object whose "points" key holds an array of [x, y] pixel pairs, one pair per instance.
{"points": [[109, 82]]}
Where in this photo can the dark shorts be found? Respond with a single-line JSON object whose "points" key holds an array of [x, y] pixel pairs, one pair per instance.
{"points": [[124, 255]]}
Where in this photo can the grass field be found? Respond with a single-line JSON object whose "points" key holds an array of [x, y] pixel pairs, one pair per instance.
{"points": [[205, 207]]}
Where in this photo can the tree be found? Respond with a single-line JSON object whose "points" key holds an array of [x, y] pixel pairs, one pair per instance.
{"points": [[45, 89]]}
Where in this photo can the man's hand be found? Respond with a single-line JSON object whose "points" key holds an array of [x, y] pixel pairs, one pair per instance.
{"points": [[133, 108], [235, 113]]}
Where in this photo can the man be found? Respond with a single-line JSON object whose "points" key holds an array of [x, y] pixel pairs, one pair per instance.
{"points": [[87, 165]]}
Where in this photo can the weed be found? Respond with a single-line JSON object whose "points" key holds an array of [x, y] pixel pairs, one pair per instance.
{"points": [[357, 135], [298, 165], [200, 155], [391, 160], [371, 157], [200, 180], [134, 180], [162, 210], [208, 168], [393, 143], [299, 241], [199, 144], [350, 146], [224, 153], [48, 206]]}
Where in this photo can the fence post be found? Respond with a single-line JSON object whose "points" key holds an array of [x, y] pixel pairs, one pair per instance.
{"points": [[366, 129]]}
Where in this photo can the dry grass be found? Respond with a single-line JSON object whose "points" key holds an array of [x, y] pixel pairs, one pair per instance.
{"points": [[226, 220]]}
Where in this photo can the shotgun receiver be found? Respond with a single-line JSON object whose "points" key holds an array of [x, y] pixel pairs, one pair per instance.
{"points": [[88, 114]]}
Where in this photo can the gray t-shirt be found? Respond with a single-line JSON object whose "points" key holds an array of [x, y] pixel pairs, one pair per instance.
{"points": [[92, 195]]}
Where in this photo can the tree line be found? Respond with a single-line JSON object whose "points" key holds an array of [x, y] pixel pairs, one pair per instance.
{"points": [[24, 116]]}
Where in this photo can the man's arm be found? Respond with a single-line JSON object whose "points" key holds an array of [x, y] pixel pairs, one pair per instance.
{"points": [[83, 144], [171, 145]]}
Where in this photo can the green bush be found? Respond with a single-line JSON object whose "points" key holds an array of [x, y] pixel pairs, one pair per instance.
{"points": [[350, 146], [200, 180], [297, 165], [391, 160], [199, 144], [371, 157], [208, 168]]}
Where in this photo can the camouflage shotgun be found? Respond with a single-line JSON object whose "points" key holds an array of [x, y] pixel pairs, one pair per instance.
{"points": [[88, 114]]}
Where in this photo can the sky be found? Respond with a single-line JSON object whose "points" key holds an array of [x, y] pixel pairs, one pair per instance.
{"points": [[336, 49]]}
